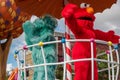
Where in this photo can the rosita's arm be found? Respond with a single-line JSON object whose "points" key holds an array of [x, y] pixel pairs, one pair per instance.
{"points": [[68, 15], [107, 36], [28, 41]]}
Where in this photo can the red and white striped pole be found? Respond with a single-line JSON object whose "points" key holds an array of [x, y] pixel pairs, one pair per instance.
{"points": [[68, 55], [68, 50]]}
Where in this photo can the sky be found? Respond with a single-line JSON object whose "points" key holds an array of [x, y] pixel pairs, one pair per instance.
{"points": [[109, 19]]}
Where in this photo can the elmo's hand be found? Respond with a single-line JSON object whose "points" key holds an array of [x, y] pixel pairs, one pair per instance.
{"points": [[111, 32], [69, 10]]}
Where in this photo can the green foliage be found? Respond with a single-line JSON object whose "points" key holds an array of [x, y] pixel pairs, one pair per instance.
{"points": [[101, 65], [6, 78], [59, 72]]}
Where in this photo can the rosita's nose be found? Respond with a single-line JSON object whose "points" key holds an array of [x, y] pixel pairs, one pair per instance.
{"points": [[90, 10]]}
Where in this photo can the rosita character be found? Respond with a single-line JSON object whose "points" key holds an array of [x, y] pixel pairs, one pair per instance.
{"points": [[80, 21], [42, 30]]}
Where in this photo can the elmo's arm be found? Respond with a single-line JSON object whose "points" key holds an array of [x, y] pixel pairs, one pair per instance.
{"points": [[68, 14], [107, 36]]}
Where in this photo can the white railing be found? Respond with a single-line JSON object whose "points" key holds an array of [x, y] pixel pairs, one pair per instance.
{"points": [[112, 65]]}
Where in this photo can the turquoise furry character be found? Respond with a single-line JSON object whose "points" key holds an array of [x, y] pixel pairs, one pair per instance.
{"points": [[42, 30]]}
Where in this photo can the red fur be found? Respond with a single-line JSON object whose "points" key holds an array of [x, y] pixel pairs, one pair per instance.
{"points": [[83, 29]]}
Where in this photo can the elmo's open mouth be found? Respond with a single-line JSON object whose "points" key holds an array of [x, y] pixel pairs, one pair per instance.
{"points": [[85, 18]]}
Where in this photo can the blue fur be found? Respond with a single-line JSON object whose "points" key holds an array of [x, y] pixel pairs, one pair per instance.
{"points": [[42, 29]]}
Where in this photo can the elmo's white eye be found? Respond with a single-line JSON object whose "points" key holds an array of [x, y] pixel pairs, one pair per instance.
{"points": [[84, 5]]}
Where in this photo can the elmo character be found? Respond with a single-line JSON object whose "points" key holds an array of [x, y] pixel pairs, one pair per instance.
{"points": [[80, 21]]}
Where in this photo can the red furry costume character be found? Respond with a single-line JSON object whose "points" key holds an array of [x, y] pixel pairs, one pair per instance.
{"points": [[80, 21]]}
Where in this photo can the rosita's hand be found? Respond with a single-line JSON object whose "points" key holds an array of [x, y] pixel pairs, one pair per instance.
{"points": [[69, 10]]}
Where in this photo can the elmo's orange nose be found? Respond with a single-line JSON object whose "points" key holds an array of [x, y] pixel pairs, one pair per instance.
{"points": [[90, 10]]}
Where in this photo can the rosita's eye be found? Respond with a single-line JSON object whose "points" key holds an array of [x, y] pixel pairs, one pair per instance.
{"points": [[84, 5]]}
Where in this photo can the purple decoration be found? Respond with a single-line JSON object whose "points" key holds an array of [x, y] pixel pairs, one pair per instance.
{"points": [[0, 15], [8, 4], [15, 19], [18, 11], [7, 22]]}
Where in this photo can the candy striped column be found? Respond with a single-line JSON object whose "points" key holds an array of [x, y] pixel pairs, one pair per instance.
{"points": [[68, 55]]}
